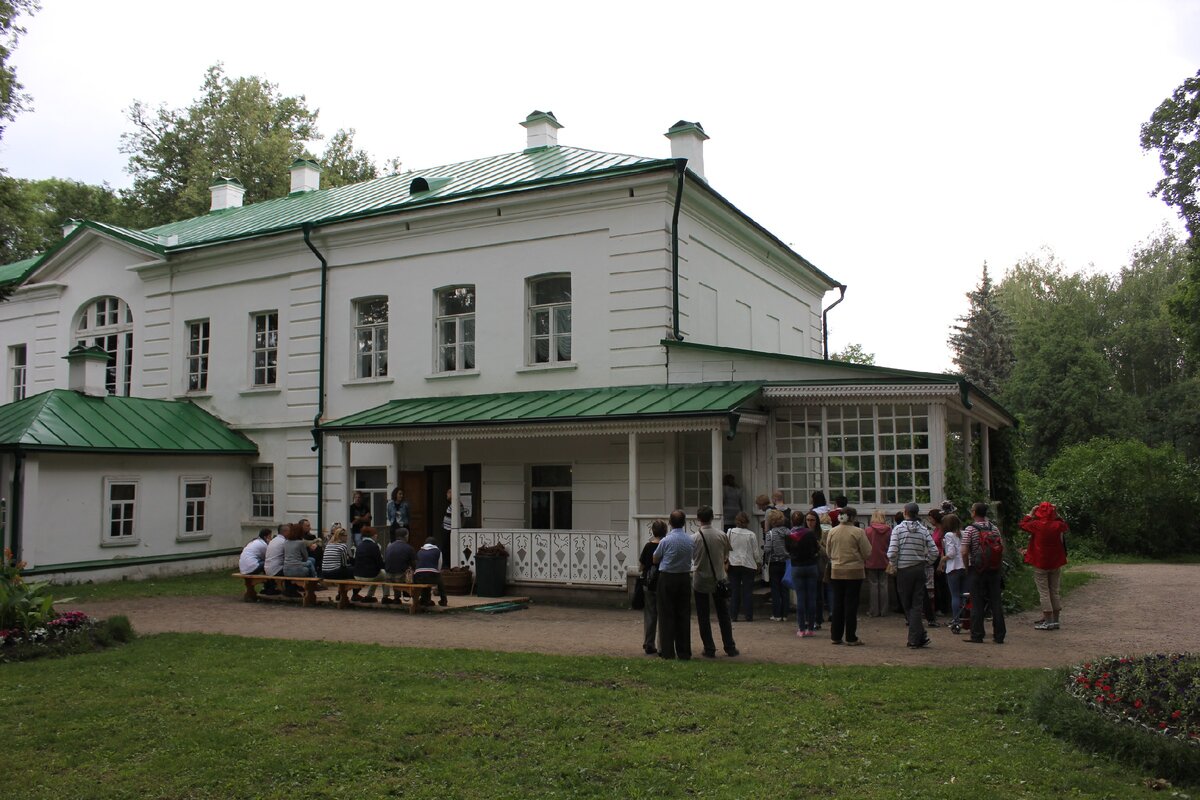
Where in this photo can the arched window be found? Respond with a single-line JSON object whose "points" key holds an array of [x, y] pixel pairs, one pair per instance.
{"points": [[107, 323]]}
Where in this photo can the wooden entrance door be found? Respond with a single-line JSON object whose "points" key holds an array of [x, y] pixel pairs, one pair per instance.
{"points": [[416, 492]]}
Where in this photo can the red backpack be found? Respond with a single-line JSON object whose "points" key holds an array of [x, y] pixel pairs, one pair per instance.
{"points": [[990, 548]]}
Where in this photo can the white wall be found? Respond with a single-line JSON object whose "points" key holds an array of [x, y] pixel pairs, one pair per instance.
{"points": [[65, 503]]}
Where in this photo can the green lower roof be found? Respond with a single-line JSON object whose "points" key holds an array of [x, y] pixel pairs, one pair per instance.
{"points": [[71, 421], [563, 405]]}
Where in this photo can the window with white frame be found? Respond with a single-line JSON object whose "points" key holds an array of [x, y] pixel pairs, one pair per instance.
{"points": [[120, 510], [107, 323], [871, 453], [265, 348], [550, 497], [193, 508], [371, 337], [197, 356], [550, 319], [17, 355], [696, 458], [456, 329], [262, 491]]}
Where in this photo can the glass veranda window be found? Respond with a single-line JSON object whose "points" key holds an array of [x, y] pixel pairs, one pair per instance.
{"points": [[456, 329], [550, 319], [371, 337]]}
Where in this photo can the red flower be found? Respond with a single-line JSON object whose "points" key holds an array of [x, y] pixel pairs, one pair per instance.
{"points": [[1162, 725], [1176, 714], [1137, 703]]}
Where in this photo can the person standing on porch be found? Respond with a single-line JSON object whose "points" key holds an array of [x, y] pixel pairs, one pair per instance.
{"points": [[710, 549], [398, 512], [658, 529], [360, 515], [731, 501], [745, 562], [448, 525], [674, 558]]}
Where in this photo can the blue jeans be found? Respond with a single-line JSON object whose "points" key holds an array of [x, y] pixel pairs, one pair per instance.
{"points": [[955, 581], [805, 580], [779, 594]]}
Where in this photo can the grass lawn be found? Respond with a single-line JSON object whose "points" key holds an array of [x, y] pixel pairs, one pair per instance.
{"points": [[197, 716], [193, 585]]}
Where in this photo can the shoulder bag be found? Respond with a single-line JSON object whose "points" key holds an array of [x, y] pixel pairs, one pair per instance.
{"points": [[722, 591]]}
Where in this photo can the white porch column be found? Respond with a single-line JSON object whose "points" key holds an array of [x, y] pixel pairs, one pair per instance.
{"points": [[347, 482], [937, 451], [717, 470], [966, 443], [455, 508], [634, 500], [985, 448]]}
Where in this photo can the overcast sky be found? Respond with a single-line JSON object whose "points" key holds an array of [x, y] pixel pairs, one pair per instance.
{"points": [[897, 146]]}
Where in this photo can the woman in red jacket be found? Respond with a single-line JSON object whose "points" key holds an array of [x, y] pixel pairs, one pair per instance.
{"points": [[1047, 553]]}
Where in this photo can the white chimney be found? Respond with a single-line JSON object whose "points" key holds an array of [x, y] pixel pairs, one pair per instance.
{"points": [[687, 141], [541, 130], [306, 176], [226, 193], [87, 370]]}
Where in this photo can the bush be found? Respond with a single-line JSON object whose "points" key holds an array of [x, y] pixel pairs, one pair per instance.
{"points": [[1124, 496], [23, 606], [1143, 710]]}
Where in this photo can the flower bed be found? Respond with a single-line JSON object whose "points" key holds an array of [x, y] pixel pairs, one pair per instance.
{"points": [[1159, 693], [64, 634], [59, 627], [1144, 710]]}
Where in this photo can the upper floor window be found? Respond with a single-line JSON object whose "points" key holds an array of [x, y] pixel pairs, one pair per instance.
{"points": [[197, 356], [371, 337], [550, 319], [265, 348], [16, 366], [456, 329], [107, 323]]}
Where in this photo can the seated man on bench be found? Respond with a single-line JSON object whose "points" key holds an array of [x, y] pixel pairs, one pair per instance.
{"points": [[429, 571], [399, 559], [368, 564]]}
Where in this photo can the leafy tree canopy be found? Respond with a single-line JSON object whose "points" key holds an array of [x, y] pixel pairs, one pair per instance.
{"points": [[239, 127], [982, 342], [854, 354], [32, 213], [1174, 131]]}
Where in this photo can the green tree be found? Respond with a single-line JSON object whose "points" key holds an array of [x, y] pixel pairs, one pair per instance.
{"points": [[854, 353], [12, 99], [342, 163], [32, 213], [1174, 131], [982, 343]]}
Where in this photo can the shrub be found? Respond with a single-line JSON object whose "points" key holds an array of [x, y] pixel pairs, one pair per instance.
{"points": [[23, 606], [1125, 496], [65, 634], [1144, 710]]}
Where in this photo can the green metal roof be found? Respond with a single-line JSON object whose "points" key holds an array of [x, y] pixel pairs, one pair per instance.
{"points": [[18, 270], [564, 405], [64, 420]]}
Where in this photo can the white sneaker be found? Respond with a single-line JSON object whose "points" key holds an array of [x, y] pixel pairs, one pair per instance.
{"points": [[776, 619]]}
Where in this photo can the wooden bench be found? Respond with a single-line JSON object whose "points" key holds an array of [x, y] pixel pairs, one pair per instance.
{"points": [[414, 590], [308, 585]]}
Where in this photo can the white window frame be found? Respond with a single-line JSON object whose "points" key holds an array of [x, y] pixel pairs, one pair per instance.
{"points": [[255, 505], [377, 335], [553, 335], [196, 358], [107, 323], [462, 347], [18, 372], [554, 491], [265, 347], [106, 520], [193, 507]]}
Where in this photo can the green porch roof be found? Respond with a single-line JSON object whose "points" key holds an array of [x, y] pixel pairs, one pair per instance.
{"points": [[63, 420], [563, 405]]}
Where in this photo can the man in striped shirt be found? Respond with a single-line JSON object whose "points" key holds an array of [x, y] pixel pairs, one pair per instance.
{"points": [[911, 548]]}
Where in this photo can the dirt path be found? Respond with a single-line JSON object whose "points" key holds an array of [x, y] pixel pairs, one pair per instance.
{"points": [[1131, 608]]}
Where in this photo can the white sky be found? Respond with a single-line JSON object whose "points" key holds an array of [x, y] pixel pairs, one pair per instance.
{"points": [[897, 146]]}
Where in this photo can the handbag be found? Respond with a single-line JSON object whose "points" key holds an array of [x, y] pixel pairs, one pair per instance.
{"points": [[723, 591], [787, 576]]}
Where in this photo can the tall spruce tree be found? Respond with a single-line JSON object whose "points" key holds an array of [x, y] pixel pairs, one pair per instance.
{"points": [[982, 342]]}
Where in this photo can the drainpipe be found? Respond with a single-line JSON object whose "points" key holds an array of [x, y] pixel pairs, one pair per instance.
{"points": [[680, 166], [318, 438], [14, 507], [825, 320]]}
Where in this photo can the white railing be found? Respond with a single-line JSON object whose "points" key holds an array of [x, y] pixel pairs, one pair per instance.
{"points": [[566, 557]]}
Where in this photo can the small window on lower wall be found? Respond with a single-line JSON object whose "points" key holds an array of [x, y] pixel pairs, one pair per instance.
{"points": [[193, 507], [550, 498], [120, 511]]}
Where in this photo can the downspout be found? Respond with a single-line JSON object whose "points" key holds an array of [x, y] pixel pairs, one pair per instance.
{"points": [[14, 507], [680, 167], [825, 321], [318, 438]]}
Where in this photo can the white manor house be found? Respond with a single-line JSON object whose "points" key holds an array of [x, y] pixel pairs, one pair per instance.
{"points": [[571, 342]]}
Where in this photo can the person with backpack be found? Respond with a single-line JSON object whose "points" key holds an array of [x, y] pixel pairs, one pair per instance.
{"points": [[911, 548], [984, 548], [1047, 553]]}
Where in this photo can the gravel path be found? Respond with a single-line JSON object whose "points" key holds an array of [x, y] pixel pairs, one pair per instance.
{"points": [[1131, 608]]}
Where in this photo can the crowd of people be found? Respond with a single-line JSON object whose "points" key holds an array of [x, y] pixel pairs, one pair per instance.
{"points": [[924, 566]]}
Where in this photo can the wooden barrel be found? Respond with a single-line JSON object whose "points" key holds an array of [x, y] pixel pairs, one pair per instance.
{"points": [[457, 581]]}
